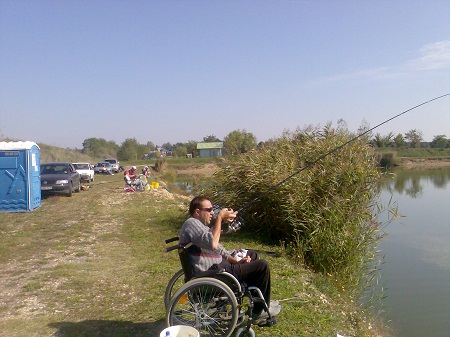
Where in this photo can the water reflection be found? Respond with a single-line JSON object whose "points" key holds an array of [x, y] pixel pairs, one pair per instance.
{"points": [[412, 182], [416, 272], [185, 186]]}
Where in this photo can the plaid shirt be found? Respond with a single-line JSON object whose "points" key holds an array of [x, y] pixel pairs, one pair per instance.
{"points": [[201, 255]]}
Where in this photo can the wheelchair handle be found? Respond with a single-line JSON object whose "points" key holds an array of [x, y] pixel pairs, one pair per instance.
{"points": [[178, 246]]}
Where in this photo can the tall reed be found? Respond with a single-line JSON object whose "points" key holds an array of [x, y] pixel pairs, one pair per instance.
{"points": [[323, 214]]}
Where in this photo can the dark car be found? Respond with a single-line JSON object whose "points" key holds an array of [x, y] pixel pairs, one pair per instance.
{"points": [[59, 178]]}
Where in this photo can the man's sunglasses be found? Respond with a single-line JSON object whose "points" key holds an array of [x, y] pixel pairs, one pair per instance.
{"points": [[209, 209]]}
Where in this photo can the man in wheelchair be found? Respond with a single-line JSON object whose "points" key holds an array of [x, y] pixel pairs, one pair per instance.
{"points": [[206, 252]]}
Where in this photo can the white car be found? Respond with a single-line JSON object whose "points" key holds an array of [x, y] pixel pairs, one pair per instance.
{"points": [[85, 170], [114, 164]]}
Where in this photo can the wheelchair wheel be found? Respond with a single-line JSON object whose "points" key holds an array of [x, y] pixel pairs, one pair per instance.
{"points": [[174, 284], [241, 333], [206, 304]]}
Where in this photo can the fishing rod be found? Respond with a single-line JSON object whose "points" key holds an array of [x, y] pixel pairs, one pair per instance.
{"points": [[337, 148]]}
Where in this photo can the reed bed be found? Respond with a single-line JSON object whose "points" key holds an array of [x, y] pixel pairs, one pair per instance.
{"points": [[324, 215]]}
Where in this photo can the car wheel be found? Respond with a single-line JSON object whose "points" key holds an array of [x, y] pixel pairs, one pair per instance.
{"points": [[69, 192], [78, 189]]}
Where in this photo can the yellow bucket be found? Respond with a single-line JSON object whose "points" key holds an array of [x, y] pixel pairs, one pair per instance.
{"points": [[154, 185]]}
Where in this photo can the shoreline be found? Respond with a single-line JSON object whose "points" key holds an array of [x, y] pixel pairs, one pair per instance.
{"points": [[406, 162], [206, 171]]}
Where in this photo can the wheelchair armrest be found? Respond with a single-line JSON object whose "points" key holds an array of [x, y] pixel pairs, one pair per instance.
{"points": [[181, 248], [169, 249]]}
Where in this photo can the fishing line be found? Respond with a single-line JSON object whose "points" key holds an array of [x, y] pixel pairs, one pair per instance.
{"points": [[308, 165]]}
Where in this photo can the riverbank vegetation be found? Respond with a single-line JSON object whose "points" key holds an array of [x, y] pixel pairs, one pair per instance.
{"points": [[94, 265], [98, 266], [387, 157], [320, 210]]}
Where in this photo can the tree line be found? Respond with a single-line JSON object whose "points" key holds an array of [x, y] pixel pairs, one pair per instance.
{"points": [[411, 139], [236, 142]]}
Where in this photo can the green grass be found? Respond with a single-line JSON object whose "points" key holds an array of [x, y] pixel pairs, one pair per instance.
{"points": [[94, 265], [417, 153]]}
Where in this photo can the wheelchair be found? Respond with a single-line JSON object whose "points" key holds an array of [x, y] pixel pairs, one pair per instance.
{"points": [[214, 302]]}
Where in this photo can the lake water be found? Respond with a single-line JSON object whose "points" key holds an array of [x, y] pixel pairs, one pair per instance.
{"points": [[416, 272]]}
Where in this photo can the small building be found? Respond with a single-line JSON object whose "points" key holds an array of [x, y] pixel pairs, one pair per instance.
{"points": [[213, 149], [20, 177]]}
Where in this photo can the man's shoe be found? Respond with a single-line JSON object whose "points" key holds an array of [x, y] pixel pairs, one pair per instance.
{"points": [[274, 309]]}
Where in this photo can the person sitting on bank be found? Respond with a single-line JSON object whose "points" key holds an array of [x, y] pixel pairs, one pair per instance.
{"points": [[129, 175], [146, 171], [208, 253]]}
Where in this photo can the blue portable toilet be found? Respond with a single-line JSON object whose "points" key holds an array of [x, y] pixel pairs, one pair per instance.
{"points": [[20, 177]]}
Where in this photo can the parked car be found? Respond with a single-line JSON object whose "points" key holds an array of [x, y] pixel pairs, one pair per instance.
{"points": [[114, 164], [59, 178], [103, 168], [85, 170]]}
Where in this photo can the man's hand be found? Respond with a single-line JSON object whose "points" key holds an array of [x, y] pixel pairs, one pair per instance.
{"points": [[233, 260], [246, 259], [226, 214]]}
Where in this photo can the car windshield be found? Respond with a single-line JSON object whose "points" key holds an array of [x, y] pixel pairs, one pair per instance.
{"points": [[54, 169], [81, 166]]}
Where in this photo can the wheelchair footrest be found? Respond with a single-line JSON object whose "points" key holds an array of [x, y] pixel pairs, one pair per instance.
{"points": [[267, 322]]}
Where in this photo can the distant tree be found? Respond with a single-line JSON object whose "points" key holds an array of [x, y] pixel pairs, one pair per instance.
{"points": [[377, 140], [100, 147], [414, 137], [180, 151], [167, 146], [141, 151], [211, 139], [440, 141], [150, 146], [191, 147], [238, 141], [363, 128], [399, 141], [177, 144], [128, 150], [383, 141]]}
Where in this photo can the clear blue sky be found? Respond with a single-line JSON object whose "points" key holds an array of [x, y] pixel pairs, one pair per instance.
{"points": [[174, 71]]}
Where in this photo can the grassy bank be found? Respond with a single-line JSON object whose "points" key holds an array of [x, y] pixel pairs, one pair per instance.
{"points": [[416, 153], [94, 265], [413, 158], [53, 153]]}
